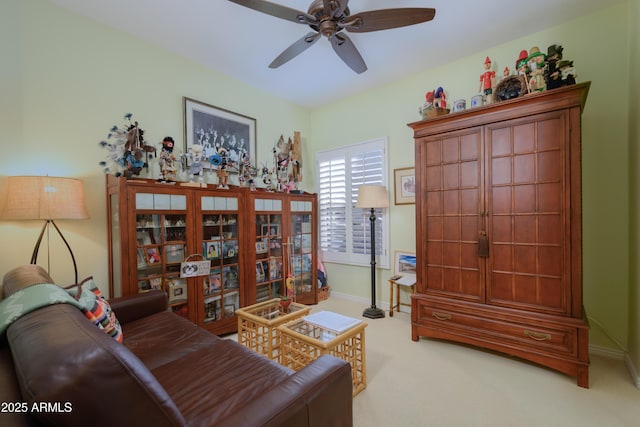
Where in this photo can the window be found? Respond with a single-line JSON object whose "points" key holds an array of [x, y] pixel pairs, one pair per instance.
{"points": [[345, 231]]}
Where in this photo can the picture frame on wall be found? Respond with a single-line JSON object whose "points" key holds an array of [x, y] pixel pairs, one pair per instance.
{"points": [[214, 127], [404, 180]]}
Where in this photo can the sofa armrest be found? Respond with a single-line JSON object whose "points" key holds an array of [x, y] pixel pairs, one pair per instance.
{"points": [[136, 307], [318, 395]]}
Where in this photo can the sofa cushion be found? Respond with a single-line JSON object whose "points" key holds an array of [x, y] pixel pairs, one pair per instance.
{"points": [[234, 377], [96, 308], [163, 337], [60, 357]]}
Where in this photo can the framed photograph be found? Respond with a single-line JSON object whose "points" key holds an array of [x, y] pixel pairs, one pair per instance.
{"points": [[143, 238], [405, 263], [260, 275], [211, 250], [261, 246], [152, 255], [174, 253], [213, 127], [404, 180], [177, 291]]}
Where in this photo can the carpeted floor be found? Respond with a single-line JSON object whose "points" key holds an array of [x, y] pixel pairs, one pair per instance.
{"points": [[437, 383]]}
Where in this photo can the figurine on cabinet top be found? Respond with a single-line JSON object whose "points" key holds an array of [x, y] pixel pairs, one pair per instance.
{"points": [[223, 176], [487, 81], [536, 63], [551, 71], [440, 98], [167, 160], [193, 161], [567, 72]]}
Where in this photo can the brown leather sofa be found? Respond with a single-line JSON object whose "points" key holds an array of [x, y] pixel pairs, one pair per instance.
{"points": [[167, 372]]}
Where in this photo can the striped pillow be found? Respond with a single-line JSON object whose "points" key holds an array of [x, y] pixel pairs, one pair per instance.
{"points": [[96, 307]]}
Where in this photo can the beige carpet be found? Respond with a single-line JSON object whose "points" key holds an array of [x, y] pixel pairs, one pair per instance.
{"points": [[437, 383]]}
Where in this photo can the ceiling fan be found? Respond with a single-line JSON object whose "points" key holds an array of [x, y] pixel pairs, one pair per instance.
{"points": [[329, 18]]}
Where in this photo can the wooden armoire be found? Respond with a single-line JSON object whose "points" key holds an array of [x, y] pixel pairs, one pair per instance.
{"points": [[499, 229]]}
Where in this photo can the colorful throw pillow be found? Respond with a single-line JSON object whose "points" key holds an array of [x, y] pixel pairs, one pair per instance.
{"points": [[96, 307]]}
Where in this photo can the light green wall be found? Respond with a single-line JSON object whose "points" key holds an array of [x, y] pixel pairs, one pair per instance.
{"points": [[598, 45], [634, 187], [68, 80]]}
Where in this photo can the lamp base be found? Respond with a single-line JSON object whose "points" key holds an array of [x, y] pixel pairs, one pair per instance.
{"points": [[373, 313]]}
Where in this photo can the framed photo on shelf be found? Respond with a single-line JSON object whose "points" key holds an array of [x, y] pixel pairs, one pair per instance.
{"points": [[143, 238], [177, 291], [155, 282], [211, 250], [152, 255], [404, 180], [214, 127], [261, 246], [260, 276], [405, 263], [174, 253]]}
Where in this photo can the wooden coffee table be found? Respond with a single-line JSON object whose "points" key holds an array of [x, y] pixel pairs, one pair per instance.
{"points": [[303, 341], [258, 323]]}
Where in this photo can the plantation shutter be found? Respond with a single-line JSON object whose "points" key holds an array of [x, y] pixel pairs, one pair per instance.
{"points": [[345, 233]]}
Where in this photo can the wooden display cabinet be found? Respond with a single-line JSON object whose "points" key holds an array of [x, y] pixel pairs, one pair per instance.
{"points": [[499, 231], [172, 223], [282, 244]]}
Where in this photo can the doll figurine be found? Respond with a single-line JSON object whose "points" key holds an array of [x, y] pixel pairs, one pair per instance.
{"points": [[222, 175], [167, 160], [551, 71], [440, 98], [536, 63], [487, 81]]}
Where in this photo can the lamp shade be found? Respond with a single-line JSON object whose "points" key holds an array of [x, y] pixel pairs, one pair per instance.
{"points": [[372, 196], [44, 198]]}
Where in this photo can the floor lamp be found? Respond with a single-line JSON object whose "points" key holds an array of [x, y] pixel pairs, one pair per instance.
{"points": [[372, 197], [45, 198]]}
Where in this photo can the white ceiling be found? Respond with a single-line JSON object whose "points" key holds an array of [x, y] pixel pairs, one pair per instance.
{"points": [[241, 42]]}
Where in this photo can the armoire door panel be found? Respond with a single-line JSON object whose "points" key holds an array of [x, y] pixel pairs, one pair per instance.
{"points": [[525, 188], [452, 178]]}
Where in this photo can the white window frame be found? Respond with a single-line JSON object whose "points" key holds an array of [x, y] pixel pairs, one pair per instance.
{"points": [[346, 153]]}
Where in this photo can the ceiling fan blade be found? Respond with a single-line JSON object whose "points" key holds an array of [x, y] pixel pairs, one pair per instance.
{"points": [[295, 49], [277, 10], [384, 19], [347, 51]]}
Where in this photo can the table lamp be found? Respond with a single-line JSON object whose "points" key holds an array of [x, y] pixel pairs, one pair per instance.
{"points": [[45, 198], [372, 197]]}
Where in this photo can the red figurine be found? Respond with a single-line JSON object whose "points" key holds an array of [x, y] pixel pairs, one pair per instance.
{"points": [[487, 81]]}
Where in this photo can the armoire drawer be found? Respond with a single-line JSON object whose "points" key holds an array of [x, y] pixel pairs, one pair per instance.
{"points": [[502, 331]]}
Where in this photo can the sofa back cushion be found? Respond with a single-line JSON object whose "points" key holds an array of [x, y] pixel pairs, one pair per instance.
{"points": [[62, 360]]}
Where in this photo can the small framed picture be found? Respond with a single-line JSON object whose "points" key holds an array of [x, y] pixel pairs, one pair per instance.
{"points": [[177, 290], [405, 186], [155, 282], [152, 255], [405, 263], [260, 276], [141, 258], [215, 282], [211, 250], [174, 253], [143, 238], [261, 247]]}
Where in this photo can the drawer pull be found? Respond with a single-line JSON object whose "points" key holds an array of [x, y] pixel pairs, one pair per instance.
{"points": [[537, 336], [441, 316]]}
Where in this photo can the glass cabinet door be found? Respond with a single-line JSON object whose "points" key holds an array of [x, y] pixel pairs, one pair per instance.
{"points": [[161, 241], [301, 244], [221, 245], [269, 249]]}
